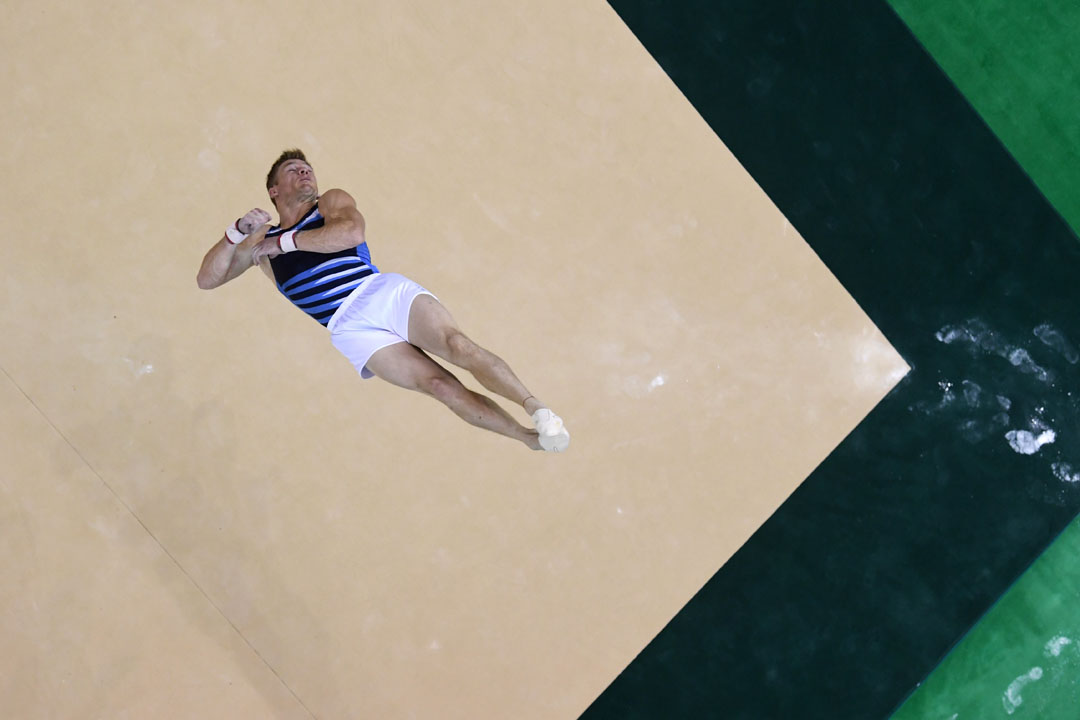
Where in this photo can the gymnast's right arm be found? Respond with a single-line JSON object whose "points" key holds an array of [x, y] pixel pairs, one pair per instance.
{"points": [[227, 259]]}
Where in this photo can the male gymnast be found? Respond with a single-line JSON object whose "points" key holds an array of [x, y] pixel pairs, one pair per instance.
{"points": [[384, 323]]}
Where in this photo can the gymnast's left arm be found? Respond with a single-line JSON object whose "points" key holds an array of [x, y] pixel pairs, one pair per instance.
{"points": [[344, 227]]}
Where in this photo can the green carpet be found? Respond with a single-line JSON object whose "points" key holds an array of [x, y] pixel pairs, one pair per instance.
{"points": [[1022, 660], [1018, 64]]}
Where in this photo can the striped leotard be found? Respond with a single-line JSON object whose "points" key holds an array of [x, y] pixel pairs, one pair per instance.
{"points": [[318, 283]]}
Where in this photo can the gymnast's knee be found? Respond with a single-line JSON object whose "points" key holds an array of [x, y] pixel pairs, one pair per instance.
{"points": [[444, 388], [463, 351]]}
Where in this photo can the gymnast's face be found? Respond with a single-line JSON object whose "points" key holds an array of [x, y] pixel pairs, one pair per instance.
{"points": [[295, 181]]}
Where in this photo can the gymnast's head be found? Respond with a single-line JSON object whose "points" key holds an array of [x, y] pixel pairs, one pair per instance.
{"points": [[292, 179]]}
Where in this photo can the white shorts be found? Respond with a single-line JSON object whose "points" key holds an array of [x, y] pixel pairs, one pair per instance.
{"points": [[374, 316]]}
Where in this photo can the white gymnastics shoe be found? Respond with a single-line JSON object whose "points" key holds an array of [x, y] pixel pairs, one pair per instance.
{"points": [[554, 437]]}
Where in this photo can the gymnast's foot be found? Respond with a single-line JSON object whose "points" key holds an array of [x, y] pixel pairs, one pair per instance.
{"points": [[553, 435]]}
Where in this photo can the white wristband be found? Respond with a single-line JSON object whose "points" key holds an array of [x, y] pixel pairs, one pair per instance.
{"points": [[287, 241], [234, 236]]}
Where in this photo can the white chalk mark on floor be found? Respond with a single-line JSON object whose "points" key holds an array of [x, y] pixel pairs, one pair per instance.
{"points": [[1053, 648], [1051, 337], [1012, 698], [1026, 442], [1065, 472]]}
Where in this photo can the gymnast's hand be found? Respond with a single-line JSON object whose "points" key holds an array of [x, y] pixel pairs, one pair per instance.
{"points": [[252, 220], [264, 247]]}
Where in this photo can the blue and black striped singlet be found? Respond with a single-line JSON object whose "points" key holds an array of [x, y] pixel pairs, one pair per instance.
{"points": [[318, 283]]}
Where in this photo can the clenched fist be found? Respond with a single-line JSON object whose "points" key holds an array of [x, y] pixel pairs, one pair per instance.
{"points": [[252, 220]]}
